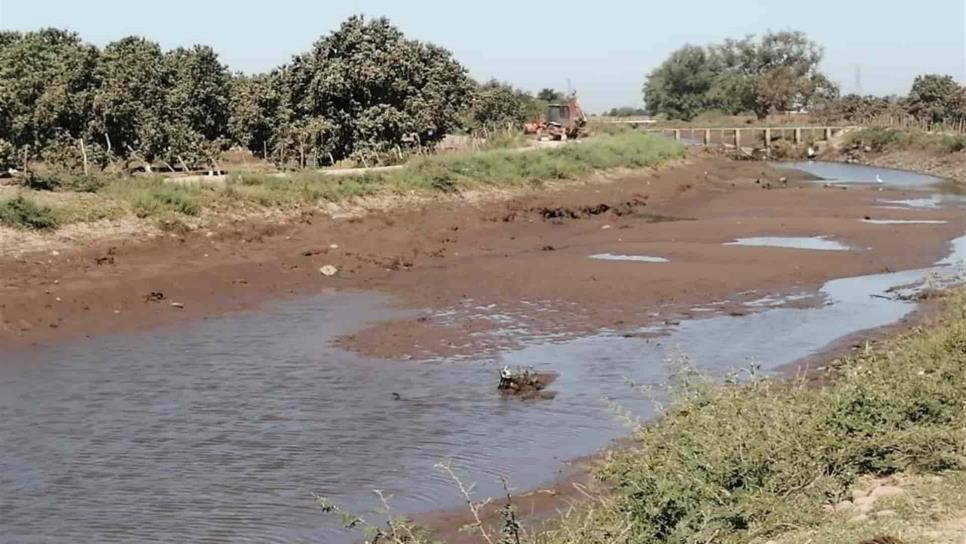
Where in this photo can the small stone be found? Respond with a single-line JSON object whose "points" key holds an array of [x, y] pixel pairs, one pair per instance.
{"points": [[884, 491], [57, 299], [56, 282], [177, 305], [333, 246], [328, 270], [842, 506], [117, 312], [55, 253], [605, 227]]}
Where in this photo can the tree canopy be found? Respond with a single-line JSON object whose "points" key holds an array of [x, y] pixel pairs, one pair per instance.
{"points": [[778, 72]]}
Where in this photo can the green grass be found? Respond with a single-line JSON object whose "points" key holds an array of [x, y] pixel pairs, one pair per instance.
{"points": [[885, 139], [751, 462], [23, 213], [80, 199]]}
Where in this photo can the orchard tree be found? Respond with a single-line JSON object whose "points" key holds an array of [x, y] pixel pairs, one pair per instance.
{"points": [[378, 90], [197, 105], [46, 84], [130, 104], [498, 105], [256, 112]]}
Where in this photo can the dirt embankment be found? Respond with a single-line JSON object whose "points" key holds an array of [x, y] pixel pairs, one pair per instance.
{"points": [[522, 260]]}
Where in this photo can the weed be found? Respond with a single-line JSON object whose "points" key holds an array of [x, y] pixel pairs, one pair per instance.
{"points": [[882, 139], [20, 212]]}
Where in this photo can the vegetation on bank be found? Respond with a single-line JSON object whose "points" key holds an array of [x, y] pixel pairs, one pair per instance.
{"points": [[775, 460], [749, 462], [70, 199], [891, 139]]}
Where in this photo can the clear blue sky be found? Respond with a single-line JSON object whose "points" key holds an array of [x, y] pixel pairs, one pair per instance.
{"points": [[603, 47]]}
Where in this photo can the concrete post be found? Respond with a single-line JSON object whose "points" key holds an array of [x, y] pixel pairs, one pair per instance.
{"points": [[707, 136], [828, 134], [798, 136], [738, 138], [768, 142], [677, 135]]}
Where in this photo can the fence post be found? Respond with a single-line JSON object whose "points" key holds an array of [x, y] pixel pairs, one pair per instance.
{"points": [[828, 134], [738, 139], [798, 136], [677, 135], [707, 136]]}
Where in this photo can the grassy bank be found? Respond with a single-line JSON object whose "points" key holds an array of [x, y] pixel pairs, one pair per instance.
{"points": [[895, 139], [879, 449], [72, 200], [765, 460]]}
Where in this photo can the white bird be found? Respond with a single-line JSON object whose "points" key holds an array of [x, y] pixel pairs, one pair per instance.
{"points": [[878, 179]]}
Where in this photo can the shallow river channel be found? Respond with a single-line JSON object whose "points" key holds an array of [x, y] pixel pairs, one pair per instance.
{"points": [[222, 430]]}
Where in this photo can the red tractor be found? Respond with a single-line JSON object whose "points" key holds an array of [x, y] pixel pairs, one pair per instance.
{"points": [[562, 122]]}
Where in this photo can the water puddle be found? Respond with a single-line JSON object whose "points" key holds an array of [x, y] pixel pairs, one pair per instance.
{"points": [[636, 258], [820, 243], [904, 221], [855, 173]]}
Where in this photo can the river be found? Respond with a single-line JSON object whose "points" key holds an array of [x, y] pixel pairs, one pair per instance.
{"points": [[222, 430]]}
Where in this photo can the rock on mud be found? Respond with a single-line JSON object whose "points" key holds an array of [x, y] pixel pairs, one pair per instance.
{"points": [[328, 271]]}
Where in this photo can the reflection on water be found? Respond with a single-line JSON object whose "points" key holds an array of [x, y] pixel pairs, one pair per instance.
{"points": [[855, 173], [821, 243], [636, 258]]}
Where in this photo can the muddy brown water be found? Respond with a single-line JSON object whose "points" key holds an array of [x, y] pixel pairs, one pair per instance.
{"points": [[221, 430]]}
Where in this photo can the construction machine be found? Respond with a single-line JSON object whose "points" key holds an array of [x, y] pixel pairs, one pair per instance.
{"points": [[562, 121]]}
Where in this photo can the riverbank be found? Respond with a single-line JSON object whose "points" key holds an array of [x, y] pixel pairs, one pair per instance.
{"points": [[44, 209], [841, 463], [525, 256], [940, 155], [872, 449]]}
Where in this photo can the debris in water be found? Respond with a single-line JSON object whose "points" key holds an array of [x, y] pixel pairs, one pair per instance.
{"points": [[328, 270], [525, 383]]}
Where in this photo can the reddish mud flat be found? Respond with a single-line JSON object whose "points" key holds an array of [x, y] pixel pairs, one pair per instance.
{"points": [[526, 257]]}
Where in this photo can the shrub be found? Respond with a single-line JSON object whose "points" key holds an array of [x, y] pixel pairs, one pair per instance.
{"points": [[22, 213]]}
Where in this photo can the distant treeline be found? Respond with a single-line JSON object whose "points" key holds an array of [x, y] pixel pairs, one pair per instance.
{"points": [[364, 91], [778, 73]]}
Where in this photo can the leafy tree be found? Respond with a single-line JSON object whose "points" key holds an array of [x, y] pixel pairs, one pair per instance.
{"points": [[46, 83], [197, 105], [779, 72], [626, 111], [378, 90], [936, 98], [498, 105], [679, 87], [130, 104], [256, 112]]}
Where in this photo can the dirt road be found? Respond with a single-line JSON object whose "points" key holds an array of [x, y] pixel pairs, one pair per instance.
{"points": [[526, 257]]}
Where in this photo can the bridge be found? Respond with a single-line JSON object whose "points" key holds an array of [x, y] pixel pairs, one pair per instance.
{"points": [[752, 137]]}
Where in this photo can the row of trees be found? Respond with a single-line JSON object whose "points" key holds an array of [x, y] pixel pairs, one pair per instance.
{"points": [[360, 91], [778, 72], [933, 98]]}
